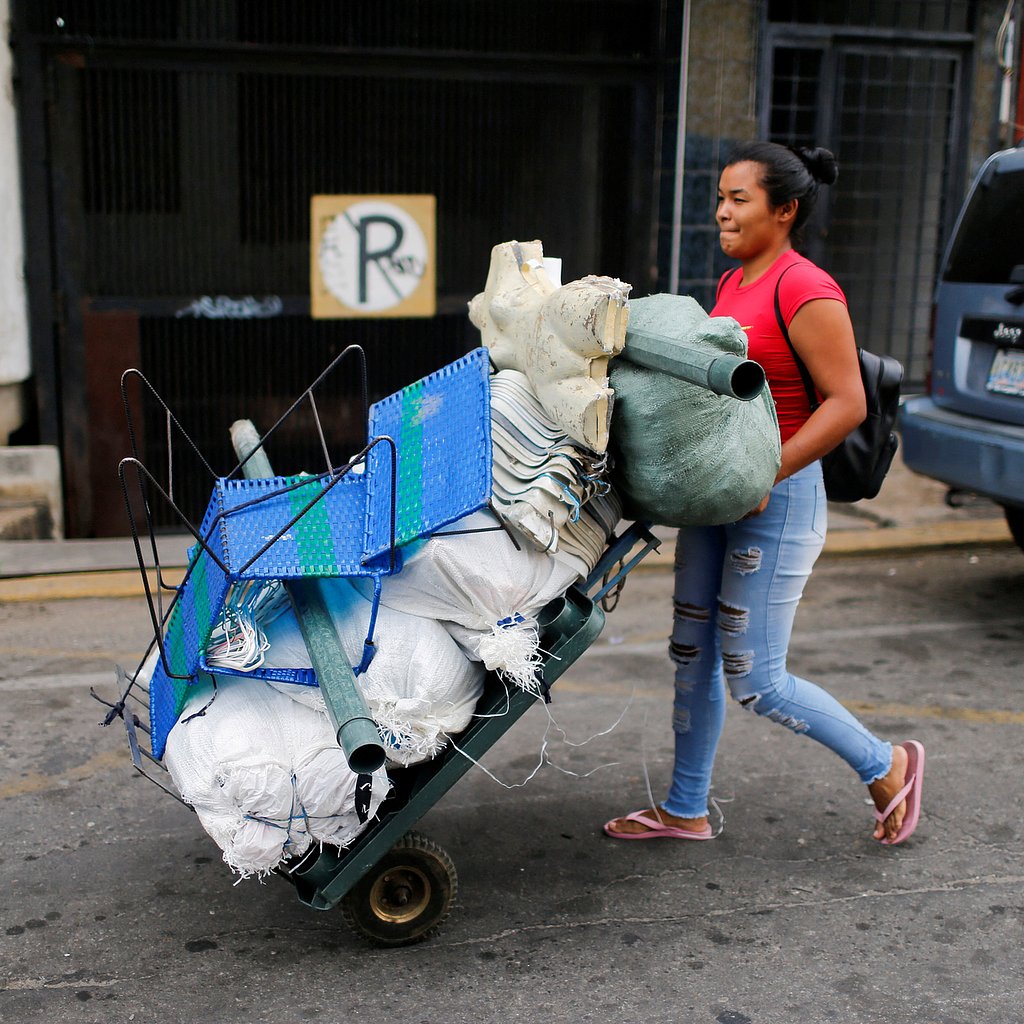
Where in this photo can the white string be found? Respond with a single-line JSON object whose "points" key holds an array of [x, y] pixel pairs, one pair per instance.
{"points": [[583, 775], [657, 808], [512, 649], [716, 804], [238, 641], [604, 732], [647, 775], [544, 756], [409, 738], [490, 774], [508, 703]]}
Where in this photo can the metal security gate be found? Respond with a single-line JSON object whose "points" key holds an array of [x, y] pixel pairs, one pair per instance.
{"points": [[887, 100], [180, 142]]}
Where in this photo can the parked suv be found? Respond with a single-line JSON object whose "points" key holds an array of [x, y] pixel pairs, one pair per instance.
{"points": [[968, 431]]}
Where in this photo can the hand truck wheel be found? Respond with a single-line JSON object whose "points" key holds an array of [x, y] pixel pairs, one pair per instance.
{"points": [[406, 896]]}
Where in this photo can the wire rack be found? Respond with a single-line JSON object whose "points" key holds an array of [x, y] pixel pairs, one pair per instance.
{"points": [[425, 464]]}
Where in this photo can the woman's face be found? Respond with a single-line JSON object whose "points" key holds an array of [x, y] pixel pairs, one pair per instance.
{"points": [[748, 225]]}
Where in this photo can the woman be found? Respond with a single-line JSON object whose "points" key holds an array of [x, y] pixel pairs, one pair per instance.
{"points": [[738, 586]]}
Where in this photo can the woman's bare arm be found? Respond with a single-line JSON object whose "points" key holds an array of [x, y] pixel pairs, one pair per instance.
{"points": [[822, 334]]}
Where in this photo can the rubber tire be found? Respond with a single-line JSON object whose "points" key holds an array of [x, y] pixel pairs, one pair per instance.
{"points": [[419, 866], [1015, 521]]}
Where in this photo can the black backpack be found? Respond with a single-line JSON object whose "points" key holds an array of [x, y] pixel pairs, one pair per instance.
{"points": [[856, 467]]}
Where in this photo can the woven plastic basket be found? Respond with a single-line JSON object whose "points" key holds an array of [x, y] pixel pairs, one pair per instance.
{"points": [[294, 527], [441, 428]]}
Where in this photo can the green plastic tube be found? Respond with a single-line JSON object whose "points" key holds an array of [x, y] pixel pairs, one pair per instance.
{"points": [[720, 372], [354, 729]]}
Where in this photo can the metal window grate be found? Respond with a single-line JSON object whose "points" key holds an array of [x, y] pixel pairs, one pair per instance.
{"points": [[130, 161], [910, 15], [103, 19], [616, 28], [229, 162], [796, 92], [212, 372], [881, 229], [530, 26]]}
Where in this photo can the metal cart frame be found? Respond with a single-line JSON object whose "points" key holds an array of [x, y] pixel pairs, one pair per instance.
{"points": [[395, 886], [394, 900]]}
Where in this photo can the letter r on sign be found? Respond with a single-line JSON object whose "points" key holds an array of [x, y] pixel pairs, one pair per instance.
{"points": [[367, 255]]}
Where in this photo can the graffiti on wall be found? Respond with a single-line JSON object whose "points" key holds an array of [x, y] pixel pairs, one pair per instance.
{"points": [[223, 307]]}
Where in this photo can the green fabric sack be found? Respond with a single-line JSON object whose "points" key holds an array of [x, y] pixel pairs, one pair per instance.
{"points": [[683, 455]]}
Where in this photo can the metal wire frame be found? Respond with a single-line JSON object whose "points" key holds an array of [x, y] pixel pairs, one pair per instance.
{"points": [[142, 759], [334, 476], [130, 686], [355, 350], [172, 422]]}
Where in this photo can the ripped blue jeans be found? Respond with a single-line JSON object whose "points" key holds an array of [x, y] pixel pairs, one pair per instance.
{"points": [[737, 588]]}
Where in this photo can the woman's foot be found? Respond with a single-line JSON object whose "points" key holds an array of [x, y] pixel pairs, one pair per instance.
{"points": [[884, 789], [627, 827]]}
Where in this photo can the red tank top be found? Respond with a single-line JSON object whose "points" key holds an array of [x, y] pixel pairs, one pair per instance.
{"points": [[753, 307]]}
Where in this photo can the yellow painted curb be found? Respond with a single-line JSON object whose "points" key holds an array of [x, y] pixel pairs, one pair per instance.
{"points": [[68, 586], [881, 540], [885, 539], [922, 537]]}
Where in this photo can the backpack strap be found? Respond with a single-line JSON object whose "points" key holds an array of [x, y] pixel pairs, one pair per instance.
{"points": [[805, 376], [721, 282]]}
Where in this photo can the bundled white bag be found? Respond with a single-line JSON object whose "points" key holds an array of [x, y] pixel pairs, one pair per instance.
{"points": [[265, 774], [419, 688], [485, 592]]}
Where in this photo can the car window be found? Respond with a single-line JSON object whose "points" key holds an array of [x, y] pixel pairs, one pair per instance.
{"points": [[990, 241]]}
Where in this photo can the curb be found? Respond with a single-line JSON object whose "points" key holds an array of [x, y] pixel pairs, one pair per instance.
{"points": [[76, 585], [893, 540], [885, 540], [920, 538]]}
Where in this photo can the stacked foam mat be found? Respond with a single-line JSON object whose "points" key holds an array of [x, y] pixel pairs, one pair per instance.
{"points": [[549, 489]]}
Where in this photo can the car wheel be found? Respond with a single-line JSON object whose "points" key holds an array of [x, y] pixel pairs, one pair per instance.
{"points": [[1015, 521]]}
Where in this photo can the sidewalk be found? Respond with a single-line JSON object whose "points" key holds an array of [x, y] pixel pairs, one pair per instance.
{"points": [[909, 515]]}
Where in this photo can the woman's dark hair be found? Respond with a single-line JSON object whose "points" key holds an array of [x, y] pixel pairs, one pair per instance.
{"points": [[790, 173]]}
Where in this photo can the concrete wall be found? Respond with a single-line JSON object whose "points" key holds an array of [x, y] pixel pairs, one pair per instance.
{"points": [[31, 505], [15, 364], [983, 134], [721, 111]]}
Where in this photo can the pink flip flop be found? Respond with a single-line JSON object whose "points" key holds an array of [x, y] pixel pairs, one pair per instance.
{"points": [[911, 792], [657, 829]]}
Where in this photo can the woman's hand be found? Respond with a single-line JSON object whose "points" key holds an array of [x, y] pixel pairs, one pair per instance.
{"points": [[762, 505]]}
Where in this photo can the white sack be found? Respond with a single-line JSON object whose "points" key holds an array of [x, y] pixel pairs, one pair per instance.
{"points": [[485, 592], [264, 774], [420, 687]]}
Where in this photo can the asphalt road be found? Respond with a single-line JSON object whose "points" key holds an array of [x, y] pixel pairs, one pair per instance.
{"points": [[116, 907]]}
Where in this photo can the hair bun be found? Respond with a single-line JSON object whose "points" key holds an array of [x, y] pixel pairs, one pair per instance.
{"points": [[820, 162]]}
